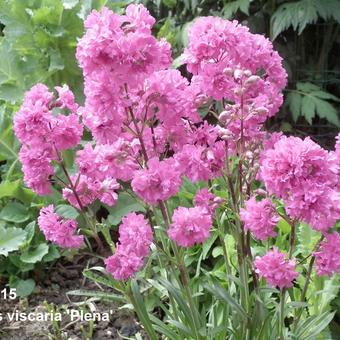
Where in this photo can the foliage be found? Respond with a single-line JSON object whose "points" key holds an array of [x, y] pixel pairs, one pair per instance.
{"points": [[37, 45], [309, 100]]}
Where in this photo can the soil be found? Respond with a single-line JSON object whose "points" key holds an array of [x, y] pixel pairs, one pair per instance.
{"points": [[52, 288]]}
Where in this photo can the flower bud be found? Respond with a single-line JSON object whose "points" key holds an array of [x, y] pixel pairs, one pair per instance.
{"points": [[261, 110], [224, 116], [238, 73], [228, 71], [252, 80], [239, 91]]}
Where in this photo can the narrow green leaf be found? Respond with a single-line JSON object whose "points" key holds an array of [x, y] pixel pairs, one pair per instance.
{"points": [[223, 295], [141, 310], [97, 294]]}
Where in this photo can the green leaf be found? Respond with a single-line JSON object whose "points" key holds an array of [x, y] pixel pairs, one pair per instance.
{"points": [[313, 326], [69, 4], [56, 61], [11, 239], [325, 110], [53, 254], [67, 211], [230, 8], [99, 295], [170, 3], [30, 229], [284, 226], [297, 14], [221, 294], [16, 190], [308, 109], [24, 287], [14, 212], [141, 310], [310, 100], [125, 204], [307, 238], [294, 102], [36, 255]]}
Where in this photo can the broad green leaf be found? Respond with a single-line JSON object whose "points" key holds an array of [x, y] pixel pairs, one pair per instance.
{"points": [[30, 229], [307, 238], [16, 190], [14, 212], [35, 255], [24, 287], [11, 239], [67, 211], [53, 254], [284, 226]]}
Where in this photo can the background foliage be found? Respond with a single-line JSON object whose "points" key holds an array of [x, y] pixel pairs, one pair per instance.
{"points": [[37, 44]]}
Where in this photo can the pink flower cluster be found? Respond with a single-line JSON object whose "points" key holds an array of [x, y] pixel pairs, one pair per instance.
{"points": [[277, 271], [58, 230], [88, 190], [230, 63], [135, 238], [43, 133], [260, 218], [328, 255], [305, 176], [190, 226], [206, 200], [158, 182]]}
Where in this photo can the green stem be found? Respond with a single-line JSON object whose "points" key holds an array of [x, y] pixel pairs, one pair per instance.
{"points": [[282, 313], [304, 291]]}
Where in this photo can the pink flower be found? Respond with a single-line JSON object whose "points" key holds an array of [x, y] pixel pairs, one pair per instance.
{"points": [[207, 200], [276, 269], [260, 218], [122, 45], [201, 163], [66, 131], [159, 181], [66, 98], [116, 160], [218, 55], [301, 173], [32, 121], [136, 231], [124, 263], [58, 230], [41, 133], [89, 189], [328, 255], [37, 168], [190, 226], [135, 237]]}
